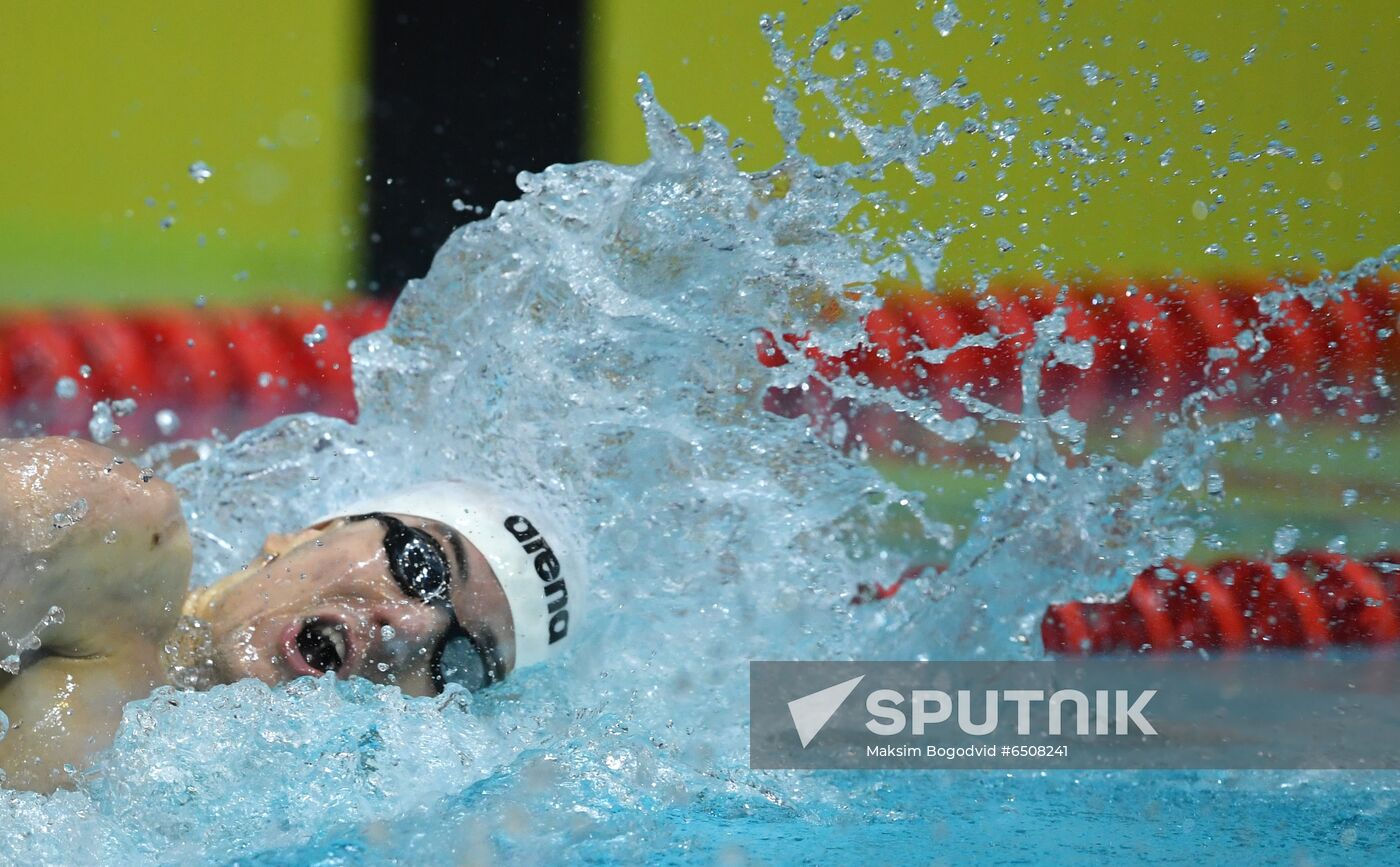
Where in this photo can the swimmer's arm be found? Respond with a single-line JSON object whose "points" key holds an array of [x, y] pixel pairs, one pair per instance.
{"points": [[119, 573], [63, 710]]}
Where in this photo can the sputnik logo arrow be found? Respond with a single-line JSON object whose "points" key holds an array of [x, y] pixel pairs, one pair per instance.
{"points": [[811, 712]]}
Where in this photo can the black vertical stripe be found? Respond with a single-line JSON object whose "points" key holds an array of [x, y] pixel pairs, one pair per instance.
{"points": [[465, 95]]}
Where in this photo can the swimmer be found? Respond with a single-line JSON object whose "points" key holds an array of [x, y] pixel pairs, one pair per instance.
{"points": [[434, 585]]}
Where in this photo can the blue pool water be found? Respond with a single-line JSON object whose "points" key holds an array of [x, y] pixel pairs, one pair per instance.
{"points": [[594, 342]]}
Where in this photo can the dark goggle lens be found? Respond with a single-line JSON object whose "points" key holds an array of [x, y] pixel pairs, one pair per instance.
{"points": [[461, 662], [419, 565], [416, 561]]}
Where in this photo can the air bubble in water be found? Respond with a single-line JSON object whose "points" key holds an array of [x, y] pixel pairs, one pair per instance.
{"points": [[200, 171]]}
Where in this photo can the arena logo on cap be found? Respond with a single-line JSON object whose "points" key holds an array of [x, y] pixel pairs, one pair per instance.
{"points": [[547, 567]]}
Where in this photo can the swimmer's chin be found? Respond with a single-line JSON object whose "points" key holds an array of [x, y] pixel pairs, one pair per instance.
{"points": [[203, 602], [216, 650]]}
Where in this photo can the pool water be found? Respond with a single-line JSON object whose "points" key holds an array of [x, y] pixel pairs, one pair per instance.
{"points": [[594, 342]]}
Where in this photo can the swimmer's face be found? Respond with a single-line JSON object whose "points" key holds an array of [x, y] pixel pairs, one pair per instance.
{"points": [[344, 596]]}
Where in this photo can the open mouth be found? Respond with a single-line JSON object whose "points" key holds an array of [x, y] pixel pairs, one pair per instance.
{"points": [[317, 645]]}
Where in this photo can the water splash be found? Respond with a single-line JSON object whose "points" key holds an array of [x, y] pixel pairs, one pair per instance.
{"points": [[594, 343]]}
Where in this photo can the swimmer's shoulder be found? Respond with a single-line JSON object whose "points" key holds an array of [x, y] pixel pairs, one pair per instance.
{"points": [[62, 711], [89, 533]]}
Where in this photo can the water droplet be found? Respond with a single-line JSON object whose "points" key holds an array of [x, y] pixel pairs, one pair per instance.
{"points": [[167, 222], [1199, 209], [1285, 538], [167, 421], [200, 171], [317, 335], [102, 427], [386, 632], [72, 515], [882, 50], [66, 388], [1048, 102], [1349, 497], [1215, 485], [947, 18]]}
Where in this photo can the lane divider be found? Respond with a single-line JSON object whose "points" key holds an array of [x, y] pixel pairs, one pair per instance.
{"points": [[1309, 599], [1152, 342], [1303, 600], [229, 369], [232, 368]]}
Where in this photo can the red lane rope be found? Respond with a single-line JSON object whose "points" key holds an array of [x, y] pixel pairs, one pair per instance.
{"points": [[237, 368], [1152, 345], [227, 369], [1308, 599]]}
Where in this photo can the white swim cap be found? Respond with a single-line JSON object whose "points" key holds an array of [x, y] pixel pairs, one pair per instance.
{"points": [[539, 569]]}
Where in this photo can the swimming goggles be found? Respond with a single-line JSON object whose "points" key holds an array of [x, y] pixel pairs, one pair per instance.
{"points": [[420, 567]]}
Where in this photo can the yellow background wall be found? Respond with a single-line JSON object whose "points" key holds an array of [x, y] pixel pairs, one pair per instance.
{"points": [[1317, 73], [104, 107]]}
